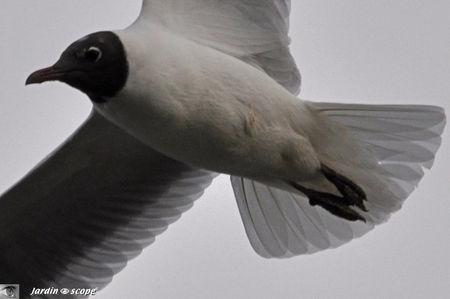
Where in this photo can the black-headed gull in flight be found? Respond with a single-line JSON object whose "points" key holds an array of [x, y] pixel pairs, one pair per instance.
{"points": [[191, 89]]}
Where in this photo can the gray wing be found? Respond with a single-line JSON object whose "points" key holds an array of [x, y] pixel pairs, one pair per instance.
{"points": [[255, 31], [95, 203], [282, 224]]}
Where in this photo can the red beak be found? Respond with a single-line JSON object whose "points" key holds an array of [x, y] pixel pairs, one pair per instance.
{"points": [[52, 73]]}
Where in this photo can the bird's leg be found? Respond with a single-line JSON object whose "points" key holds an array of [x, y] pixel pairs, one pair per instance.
{"points": [[351, 192], [336, 205], [352, 195]]}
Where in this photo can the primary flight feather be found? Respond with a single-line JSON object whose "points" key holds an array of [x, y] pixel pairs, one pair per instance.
{"points": [[194, 88]]}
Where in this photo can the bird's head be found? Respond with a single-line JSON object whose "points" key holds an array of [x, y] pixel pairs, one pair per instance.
{"points": [[95, 64]]}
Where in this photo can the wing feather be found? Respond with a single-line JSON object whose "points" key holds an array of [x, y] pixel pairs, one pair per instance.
{"points": [[255, 31], [91, 206]]}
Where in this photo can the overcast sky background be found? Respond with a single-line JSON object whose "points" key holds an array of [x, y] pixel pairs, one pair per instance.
{"points": [[363, 51]]}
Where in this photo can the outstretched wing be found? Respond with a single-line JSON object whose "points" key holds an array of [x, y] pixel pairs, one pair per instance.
{"points": [[94, 204], [282, 224], [255, 31]]}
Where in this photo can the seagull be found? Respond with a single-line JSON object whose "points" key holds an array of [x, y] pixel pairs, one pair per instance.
{"points": [[191, 89]]}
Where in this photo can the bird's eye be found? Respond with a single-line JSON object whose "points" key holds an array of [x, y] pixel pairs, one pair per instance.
{"points": [[93, 54], [9, 292]]}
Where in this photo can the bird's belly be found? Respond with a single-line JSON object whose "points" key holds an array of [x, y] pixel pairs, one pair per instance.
{"points": [[205, 136]]}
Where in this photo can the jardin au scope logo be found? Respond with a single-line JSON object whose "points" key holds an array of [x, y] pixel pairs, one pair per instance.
{"points": [[8, 291], [52, 291]]}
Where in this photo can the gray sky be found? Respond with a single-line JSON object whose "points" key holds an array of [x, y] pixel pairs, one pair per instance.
{"points": [[364, 51]]}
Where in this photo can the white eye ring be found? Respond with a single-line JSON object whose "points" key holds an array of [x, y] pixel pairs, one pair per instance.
{"points": [[93, 54]]}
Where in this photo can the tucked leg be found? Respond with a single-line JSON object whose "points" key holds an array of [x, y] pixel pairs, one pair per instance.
{"points": [[350, 191], [334, 204], [341, 206]]}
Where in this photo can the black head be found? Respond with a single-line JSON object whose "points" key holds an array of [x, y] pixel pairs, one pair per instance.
{"points": [[96, 65]]}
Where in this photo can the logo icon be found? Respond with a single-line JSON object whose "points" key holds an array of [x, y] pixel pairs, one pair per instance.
{"points": [[9, 291]]}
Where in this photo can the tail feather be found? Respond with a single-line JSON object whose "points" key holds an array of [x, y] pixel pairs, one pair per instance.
{"points": [[382, 148], [391, 132]]}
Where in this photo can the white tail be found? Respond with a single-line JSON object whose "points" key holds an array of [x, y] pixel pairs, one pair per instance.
{"points": [[382, 148]]}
